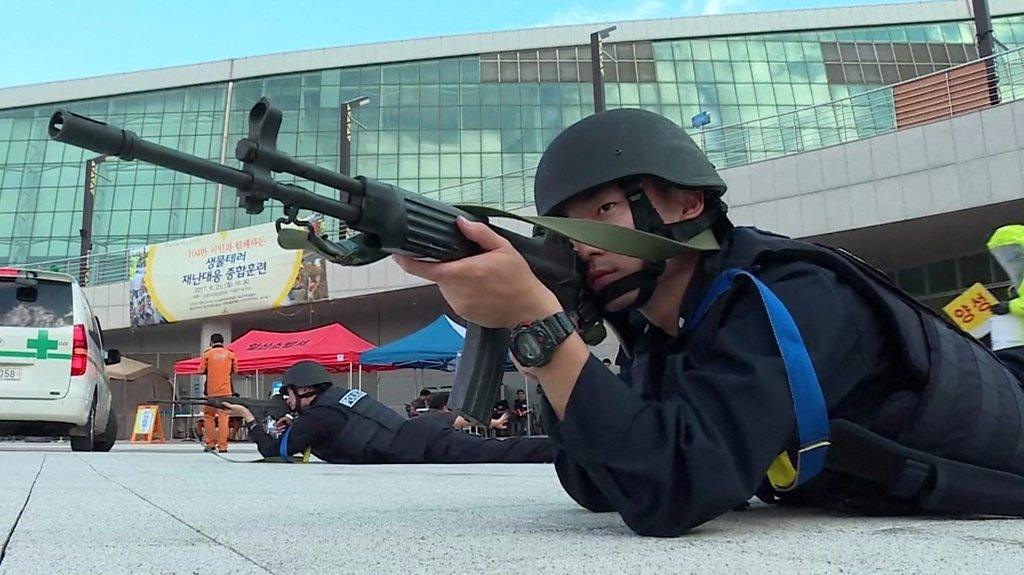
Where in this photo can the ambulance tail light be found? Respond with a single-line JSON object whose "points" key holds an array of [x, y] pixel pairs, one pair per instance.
{"points": [[79, 351]]}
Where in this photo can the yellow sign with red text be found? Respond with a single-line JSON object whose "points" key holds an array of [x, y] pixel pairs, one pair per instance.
{"points": [[229, 272], [972, 310]]}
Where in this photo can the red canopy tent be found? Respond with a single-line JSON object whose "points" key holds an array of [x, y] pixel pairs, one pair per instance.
{"points": [[258, 351]]}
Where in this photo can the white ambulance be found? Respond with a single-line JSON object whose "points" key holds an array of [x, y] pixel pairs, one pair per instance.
{"points": [[53, 378]]}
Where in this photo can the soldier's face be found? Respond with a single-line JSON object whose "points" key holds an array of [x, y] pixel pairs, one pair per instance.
{"points": [[608, 205], [293, 399]]}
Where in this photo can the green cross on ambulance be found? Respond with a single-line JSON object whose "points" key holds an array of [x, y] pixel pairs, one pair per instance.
{"points": [[53, 379]]}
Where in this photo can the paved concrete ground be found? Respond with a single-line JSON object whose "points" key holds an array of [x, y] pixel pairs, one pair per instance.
{"points": [[169, 509]]}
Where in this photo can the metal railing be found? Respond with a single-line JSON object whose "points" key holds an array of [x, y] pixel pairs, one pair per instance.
{"points": [[506, 191], [943, 94], [946, 93], [94, 269]]}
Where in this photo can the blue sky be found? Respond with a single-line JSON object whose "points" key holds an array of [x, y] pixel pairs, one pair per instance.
{"points": [[48, 40]]}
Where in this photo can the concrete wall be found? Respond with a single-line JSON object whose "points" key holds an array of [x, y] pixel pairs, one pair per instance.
{"points": [[956, 164]]}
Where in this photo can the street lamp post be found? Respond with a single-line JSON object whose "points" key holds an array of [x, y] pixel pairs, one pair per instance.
{"points": [[985, 42], [88, 201], [597, 65], [345, 146]]}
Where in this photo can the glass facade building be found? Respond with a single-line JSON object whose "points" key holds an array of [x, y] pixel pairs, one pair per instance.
{"points": [[433, 125]]}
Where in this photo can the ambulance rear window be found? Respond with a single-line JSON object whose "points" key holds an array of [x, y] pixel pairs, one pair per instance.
{"points": [[46, 304]]}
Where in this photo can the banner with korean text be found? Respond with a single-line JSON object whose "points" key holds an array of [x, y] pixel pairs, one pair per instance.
{"points": [[218, 274]]}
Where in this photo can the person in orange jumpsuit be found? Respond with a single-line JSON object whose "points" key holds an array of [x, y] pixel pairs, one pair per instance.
{"points": [[218, 363]]}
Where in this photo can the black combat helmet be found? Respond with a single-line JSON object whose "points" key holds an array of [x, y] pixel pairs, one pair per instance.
{"points": [[306, 373], [623, 145], [619, 144]]}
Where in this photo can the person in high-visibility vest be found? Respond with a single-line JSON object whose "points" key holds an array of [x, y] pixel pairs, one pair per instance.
{"points": [[1007, 246], [219, 364]]}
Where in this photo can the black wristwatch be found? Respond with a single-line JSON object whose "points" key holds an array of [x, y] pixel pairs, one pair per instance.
{"points": [[534, 343]]}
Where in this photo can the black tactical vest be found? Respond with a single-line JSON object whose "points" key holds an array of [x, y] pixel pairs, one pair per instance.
{"points": [[369, 423], [963, 452]]}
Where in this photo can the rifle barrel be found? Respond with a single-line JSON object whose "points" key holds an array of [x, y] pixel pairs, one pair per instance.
{"points": [[70, 128], [248, 151], [84, 132]]}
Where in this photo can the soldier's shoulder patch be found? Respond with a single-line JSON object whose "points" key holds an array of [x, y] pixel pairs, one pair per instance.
{"points": [[350, 398]]}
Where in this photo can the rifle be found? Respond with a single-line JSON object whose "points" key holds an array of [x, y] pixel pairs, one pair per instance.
{"points": [[261, 409], [391, 221]]}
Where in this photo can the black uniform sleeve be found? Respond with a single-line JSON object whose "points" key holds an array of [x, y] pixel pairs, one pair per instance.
{"points": [[667, 466], [306, 431], [572, 475]]}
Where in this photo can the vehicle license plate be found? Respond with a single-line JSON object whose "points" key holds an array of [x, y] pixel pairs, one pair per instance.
{"points": [[10, 373]]}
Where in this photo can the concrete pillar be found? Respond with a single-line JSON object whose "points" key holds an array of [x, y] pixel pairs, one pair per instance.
{"points": [[212, 326]]}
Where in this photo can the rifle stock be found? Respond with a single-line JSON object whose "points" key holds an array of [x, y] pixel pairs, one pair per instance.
{"points": [[391, 221]]}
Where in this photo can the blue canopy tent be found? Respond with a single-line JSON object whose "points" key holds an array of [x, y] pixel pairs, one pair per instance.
{"points": [[437, 346]]}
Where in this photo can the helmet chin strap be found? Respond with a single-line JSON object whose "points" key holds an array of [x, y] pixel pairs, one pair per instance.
{"points": [[647, 219], [300, 396], [645, 280]]}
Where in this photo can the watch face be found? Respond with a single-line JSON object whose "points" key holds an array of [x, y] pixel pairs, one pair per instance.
{"points": [[527, 348]]}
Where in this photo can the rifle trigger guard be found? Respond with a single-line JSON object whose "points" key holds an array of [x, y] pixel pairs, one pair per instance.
{"points": [[291, 217]]}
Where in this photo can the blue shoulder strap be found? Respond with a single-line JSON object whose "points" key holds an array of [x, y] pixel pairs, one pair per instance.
{"points": [[804, 388], [282, 449]]}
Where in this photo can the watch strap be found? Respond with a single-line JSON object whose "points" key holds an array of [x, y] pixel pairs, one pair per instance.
{"points": [[550, 332]]}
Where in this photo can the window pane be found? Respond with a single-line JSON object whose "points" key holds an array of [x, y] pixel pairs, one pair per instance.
{"points": [[942, 277], [704, 71], [568, 72], [701, 49], [684, 72], [912, 281], [681, 50], [719, 50], [757, 51], [760, 72], [548, 72], [776, 51], [509, 71], [741, 72], [974, 268], [723, 72]]}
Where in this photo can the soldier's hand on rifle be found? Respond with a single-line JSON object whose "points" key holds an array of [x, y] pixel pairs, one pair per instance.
{"points": [[237, 410], [493, 289]]}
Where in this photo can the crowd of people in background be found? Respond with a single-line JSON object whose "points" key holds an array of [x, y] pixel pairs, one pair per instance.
{"points": [[515, 420]]}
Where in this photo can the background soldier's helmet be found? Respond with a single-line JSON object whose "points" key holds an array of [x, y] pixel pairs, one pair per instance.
{"points": [[306, 373]]}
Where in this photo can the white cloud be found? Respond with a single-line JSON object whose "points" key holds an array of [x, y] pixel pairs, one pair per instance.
{"points": [[645, 9], [578, 14], [720, 6], [710, 7]]}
